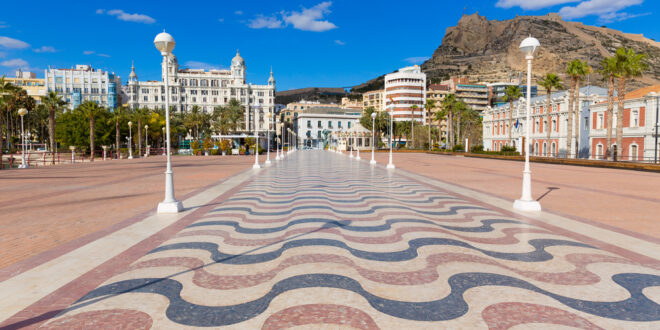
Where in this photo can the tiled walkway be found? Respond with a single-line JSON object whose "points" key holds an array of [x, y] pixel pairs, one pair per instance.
{"points": [[320, 239]]}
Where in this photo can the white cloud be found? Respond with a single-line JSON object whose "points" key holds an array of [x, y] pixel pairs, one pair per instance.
{"points": [[531, 4], [268, 22], [15, 63], [310, 19], [617, 17], [238, 12], [103, 55], [604, 9], [124, 16], [44, 49], [416, 59], [203, 65], [13, 43], [339, 42], [88, 52], [221, 20], [3, 25]]}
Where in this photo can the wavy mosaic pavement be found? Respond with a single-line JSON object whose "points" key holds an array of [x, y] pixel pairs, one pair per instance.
{"points": [[321, 239]]}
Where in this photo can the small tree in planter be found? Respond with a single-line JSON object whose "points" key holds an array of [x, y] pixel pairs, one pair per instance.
{"points": [[195, 147], [207, 144], [225, 146]]}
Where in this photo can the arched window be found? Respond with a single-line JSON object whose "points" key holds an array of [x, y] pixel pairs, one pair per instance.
{"points": [[633, 152], [536, 149], [545, 149], [554, 150]]}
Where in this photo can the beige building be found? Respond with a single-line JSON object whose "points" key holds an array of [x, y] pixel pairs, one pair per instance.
{"points": [[28, 81], [347, 103], [437, 93], [374, 99], [293, 109]]}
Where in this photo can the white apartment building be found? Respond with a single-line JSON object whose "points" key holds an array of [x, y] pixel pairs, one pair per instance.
{"points": [[84, 83], [316, 125], [496, 123], [407, 88], [640, 117], [206, 89]]}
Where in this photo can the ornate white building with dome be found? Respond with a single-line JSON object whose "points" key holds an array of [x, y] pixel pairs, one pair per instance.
{"points": [[206, 89]]}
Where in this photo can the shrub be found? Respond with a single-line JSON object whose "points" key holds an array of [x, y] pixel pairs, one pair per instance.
{"points": [[509, 149], [197, 151], [477, 148], [241, 151], [194, 145], [226, 146], [458, 148], [207, 144], [214, 152]]}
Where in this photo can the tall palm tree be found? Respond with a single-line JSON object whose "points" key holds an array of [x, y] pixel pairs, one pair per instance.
{"points": [[430, 104], [460, 110], [609, 72], [140, 115], [413, 108], [118, 114], [5, 90], [448, 105], [629, 66], [550, 82], [511, 94], [55, 104], [91, 110], [236, 112], [576, 69]]}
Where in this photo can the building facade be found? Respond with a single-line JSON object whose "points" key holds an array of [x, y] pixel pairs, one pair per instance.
{"points": [[316, 125], [375, 99], [498, 91], [437, 93], [35, 87], [476, 96], [347, 103], [640, 117], [84, 83], [293, 109], [496, 123], [207, 90], [404, 90]]}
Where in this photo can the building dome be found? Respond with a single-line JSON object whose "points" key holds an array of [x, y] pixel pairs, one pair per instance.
{"points": [[237, 60]]}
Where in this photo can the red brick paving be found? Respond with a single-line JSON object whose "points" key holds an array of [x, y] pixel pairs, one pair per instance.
{"points": [[623, 199], [46, 207]]}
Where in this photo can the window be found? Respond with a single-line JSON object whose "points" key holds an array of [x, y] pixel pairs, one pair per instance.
{"points": [[633, 152], [146, 98], [319, 125], [309, 124], [634, 119], [318, 134], [330, 124], [599, 151], [349, 124], [599, 124], [338, 124]]}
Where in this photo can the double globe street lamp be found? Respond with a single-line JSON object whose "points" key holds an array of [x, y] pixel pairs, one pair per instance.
{"points": [[373, 137], [268, 116], [526, 202], [130, 140], [165, 44], [22, 112]]}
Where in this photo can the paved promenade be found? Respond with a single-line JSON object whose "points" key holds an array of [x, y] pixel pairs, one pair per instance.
{"points": [[325, 241]]}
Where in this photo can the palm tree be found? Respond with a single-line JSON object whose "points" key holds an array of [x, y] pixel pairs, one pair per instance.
{"points": [[448, 105], [412, 123], [91, 110], [118, 114], [54, 104], [236, 111], [511, 94], [576, 69], [629, 65], [430, 104], [140, 115], [5, 90], [609, 71], [550, 82]]}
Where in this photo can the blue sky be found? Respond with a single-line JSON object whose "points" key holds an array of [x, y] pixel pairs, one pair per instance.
{"points": [[308, 43]]}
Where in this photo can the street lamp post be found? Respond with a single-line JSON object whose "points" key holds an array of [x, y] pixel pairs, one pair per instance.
{"points": [[358, 147], [277, 141], [165, 44], [105, 152], [146, 141], [373, 138], [22, 112], [256, 139], [130, 140], [390, 165], [288, 145], [268, 116], [526, 202], [164, 142], [350, 140]]}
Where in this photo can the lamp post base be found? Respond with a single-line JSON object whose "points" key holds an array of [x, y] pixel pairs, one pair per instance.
{"points": [[170, 207], [372, 162], [255, 166], [267, 162], [130, 157], [527, 205], [390, 166], [23, 166], [358, 157]]}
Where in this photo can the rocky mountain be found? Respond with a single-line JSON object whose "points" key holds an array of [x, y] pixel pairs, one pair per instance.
{"points": [[321, 94], [487, 50]]}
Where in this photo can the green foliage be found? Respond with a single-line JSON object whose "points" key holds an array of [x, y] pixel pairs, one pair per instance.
{"points": [[72, 129], [214, 152], [477, 148], [194, 145], [207, 144], [507, 148], [458, 148], [225, 145]]}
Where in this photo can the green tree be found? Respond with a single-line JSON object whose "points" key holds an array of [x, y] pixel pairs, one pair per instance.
{"points": [[140, 116], [116, 117], [413, 108], [576, 69], [511, 94], [448, 110], [609, 72], [54, 104], [629, 65], [428, 106], [549, 82], [5, 90], [91, 110]]}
